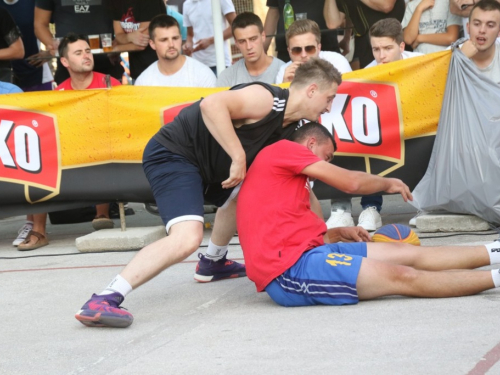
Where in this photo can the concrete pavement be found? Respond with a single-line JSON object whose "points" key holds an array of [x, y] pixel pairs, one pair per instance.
{"points": [[183, 327]]}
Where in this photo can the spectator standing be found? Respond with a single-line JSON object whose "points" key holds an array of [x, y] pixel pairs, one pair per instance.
{"points": [[361, 15], [429, 26], [179, 18], [303, 39], [11, 45], [200, 30], [35, 76], [273, 25], [92, 17], [483, 47], [130, 23], [249, 37], [172, 68]]}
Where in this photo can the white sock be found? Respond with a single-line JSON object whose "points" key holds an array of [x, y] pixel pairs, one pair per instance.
{"points": [[494, 252], [29, 222], [118, 284], [215, 252], [495, 275]]}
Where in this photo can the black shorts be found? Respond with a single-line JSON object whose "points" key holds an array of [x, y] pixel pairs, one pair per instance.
{"points": [[177, 185]]}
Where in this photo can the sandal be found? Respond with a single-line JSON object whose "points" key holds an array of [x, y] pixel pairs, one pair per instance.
{"points": [[27, 244], [102, 222]]}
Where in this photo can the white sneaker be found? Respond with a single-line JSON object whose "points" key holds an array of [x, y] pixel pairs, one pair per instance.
{"points": [[413, 220], [22, 233], [370, 219], [340, 218]]}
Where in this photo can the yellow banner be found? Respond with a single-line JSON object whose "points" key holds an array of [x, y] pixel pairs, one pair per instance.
{"points": [[43, 133]]}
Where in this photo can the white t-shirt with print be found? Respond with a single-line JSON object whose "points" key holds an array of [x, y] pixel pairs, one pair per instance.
{"points": [[192, 74], [433, 21], [198, 15]]}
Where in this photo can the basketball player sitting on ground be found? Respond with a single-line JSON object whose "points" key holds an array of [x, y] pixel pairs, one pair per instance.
{"points": [[283, 239]]}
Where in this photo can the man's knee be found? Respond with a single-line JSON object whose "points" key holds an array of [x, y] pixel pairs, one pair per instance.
{"points": [[403, 275], [187, 239]]}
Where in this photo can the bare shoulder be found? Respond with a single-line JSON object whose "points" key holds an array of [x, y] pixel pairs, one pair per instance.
{"points": [[252, 102]]}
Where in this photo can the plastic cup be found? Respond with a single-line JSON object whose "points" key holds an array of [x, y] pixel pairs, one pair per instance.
{"points": [[300, 16], [55, 43], [94, 41], [107, 42]]}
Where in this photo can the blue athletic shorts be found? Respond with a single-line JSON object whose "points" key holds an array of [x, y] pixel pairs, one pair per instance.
{"points": [[325, 275], [177, 185]]}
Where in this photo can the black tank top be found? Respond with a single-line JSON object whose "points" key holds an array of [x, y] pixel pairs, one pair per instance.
{"points": [[188, 136]]}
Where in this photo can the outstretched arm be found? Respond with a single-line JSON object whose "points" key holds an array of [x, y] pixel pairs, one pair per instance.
{"points": [[219, 110], [354, 182]]}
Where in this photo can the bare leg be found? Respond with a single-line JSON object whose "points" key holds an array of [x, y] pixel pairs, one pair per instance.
{"points": [[183, 240], [102, 209], [430, 258], [378, 279], [39, 223], [34, 241], [224, 224]]}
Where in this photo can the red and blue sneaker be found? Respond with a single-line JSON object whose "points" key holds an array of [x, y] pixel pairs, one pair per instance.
{"points": [[104, 311], [208, 270]]}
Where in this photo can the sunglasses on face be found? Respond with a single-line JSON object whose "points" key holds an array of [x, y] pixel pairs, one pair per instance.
{"points": [[298, 50]]}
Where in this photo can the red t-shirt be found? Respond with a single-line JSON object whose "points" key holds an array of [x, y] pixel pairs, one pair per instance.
{"points": [[98, 82], [275, 222]]}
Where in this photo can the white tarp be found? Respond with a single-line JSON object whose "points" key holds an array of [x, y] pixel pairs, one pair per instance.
{"points": [[463, 175]]}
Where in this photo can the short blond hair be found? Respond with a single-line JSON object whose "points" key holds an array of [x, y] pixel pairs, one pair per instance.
{"points": [[318, 71], [301, 27]]}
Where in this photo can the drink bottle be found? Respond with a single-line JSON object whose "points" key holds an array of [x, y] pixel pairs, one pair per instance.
{"points": [[288, 15]]}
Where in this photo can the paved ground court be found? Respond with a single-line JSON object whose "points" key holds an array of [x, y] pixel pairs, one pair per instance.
{"points": [[182, 327]]}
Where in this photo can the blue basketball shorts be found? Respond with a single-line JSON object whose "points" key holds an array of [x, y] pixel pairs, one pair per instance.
{"points": [[177, 186], [325, 275]]}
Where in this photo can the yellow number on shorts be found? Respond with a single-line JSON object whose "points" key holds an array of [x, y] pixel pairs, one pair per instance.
{"points": [[334, 263]]}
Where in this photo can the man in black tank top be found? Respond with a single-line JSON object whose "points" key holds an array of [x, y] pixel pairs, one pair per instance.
{"points": [[203, 156]]}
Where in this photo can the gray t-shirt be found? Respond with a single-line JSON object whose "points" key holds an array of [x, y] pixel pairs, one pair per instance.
{"points": [[434, 20], [238, 73], [492, 71]]}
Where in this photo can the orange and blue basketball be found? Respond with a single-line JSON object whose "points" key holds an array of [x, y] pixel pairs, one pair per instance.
{"points": [[396, 233]]}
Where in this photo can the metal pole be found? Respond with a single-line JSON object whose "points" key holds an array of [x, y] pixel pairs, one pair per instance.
{"points": [[218, 36]]}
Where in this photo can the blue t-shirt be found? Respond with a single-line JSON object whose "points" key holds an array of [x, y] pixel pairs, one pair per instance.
{"points": [[9, 88], [180, 19]]}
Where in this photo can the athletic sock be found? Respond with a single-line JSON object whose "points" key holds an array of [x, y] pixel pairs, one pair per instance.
{"points": [[495, 275], [494, 252], [118, 284], [215, 252]]}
